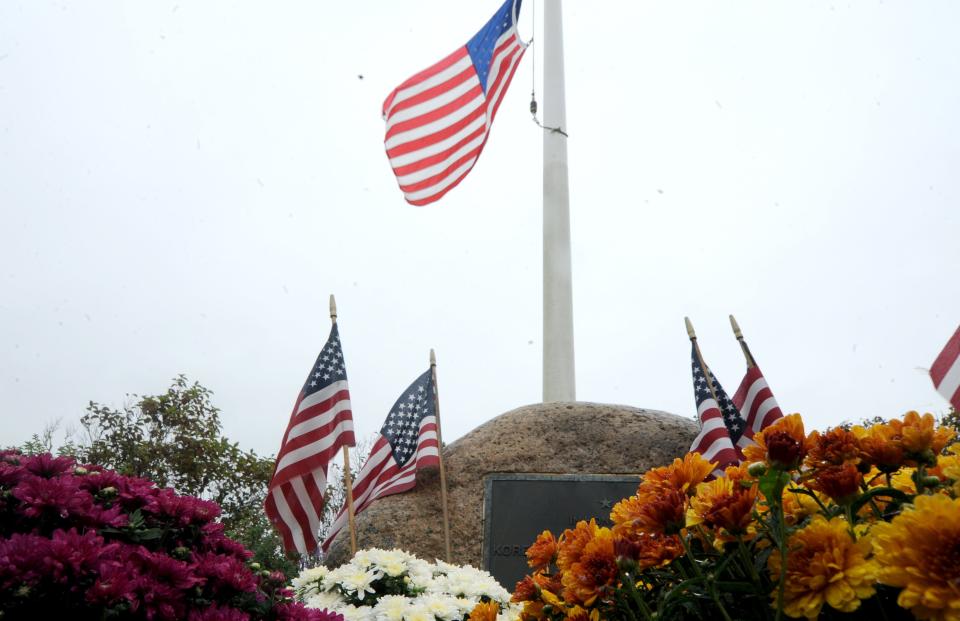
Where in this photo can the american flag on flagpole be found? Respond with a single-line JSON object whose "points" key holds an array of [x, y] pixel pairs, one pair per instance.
{"points": [[723, 432], [406, 443], [945, 371], [438, 120], [320, 425], [755, 399]]}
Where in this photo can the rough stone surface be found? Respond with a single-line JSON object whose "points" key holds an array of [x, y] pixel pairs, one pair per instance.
{"points": [[546, 438]]}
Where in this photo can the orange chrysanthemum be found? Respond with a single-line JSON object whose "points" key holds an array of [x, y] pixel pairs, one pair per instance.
{"points": [[573, 541], [593, 572], [485, 611], [648, 550], [525, 591], [825, 565], [543, 551], [880, 446], [663, 512], [547, 582], [919, 551], [921, 434], [723, 504], [782, 445], [833, 447], [682, 475], [839, 482]]}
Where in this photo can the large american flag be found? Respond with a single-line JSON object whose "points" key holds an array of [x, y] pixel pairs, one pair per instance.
{"points": [[438, 120], [945, 371], [320, 425], [723, 432], [407, 442], [755, 399]]}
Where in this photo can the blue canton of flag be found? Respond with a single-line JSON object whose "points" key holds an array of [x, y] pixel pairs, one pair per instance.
{"points": [[484, 43], [715, 441], [735, 423], [329, 367], [402, 427]]}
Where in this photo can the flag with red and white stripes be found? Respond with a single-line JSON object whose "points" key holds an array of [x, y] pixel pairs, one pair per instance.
{"points": [[723, 432], [438, 120], [320, 425], [406, 443], [945, 371], [755, 401]]}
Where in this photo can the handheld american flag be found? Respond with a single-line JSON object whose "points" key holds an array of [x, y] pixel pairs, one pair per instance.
{"points": [[945, 371], [438, 120], [723, 432], [407, 442], [320, 425], [755, 399]]}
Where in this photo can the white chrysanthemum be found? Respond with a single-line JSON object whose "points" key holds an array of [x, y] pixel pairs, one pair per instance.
{"points": [[391, 608], [356, 580], [465, 604], [328, 600], [418, 612], [442, 606], [310, 580], [420, 572], [357, 613]]}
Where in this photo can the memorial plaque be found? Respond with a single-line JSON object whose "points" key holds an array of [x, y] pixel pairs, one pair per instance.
{"points": [[518, 507]]}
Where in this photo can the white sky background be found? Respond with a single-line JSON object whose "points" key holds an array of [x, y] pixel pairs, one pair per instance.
{"points": [[183, 184]]}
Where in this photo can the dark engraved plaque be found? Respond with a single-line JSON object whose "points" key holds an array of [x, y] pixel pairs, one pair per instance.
{"points": [[518, 507]]}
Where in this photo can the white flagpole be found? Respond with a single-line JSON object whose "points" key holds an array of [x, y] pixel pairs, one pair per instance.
{"points": [[558, 361]]}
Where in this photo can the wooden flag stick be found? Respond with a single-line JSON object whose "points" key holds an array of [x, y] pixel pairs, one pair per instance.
{"points": [[347, 479], [443, 474], [743, 344], [703, 365]]}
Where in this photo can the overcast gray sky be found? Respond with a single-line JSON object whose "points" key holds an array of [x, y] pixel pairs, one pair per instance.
{"points": [[183, 184]]}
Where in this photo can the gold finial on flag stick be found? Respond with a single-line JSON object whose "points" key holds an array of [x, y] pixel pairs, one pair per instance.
{"points": [[743, 344], [443, 475], [347, 479], [696, 350]]}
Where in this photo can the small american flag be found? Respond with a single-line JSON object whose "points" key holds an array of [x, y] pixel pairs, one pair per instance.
{"points": [[723, 432], [438, 120], [407, 442], [755, 399], [320, 425], [945, 371]]}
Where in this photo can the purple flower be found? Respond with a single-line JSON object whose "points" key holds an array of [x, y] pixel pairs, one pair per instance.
{"points": [[218, 613], [61, 497], [226, 574], [46, 465]]}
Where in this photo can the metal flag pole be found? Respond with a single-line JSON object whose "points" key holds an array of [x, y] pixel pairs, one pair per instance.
{"points": [[347, 479], [559, 381], [443, 474], [706, 370], [743, 344]]}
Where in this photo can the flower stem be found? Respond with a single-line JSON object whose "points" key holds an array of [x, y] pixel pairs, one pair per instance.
{"points": [[708, 580], [782, 545]]}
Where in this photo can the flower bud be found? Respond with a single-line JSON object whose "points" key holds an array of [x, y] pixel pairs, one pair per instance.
{"points": [[757, 469], [108, 492], [930, 481], [255, 566], [80, 471]]}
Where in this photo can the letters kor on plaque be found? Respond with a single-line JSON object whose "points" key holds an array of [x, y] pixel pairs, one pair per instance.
{"points": [[518, 507]]}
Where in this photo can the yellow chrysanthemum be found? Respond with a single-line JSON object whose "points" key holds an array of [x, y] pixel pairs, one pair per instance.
{"points": [[919, 551], [572, 542], [797, 505], [921, 434], [824, 565]]}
